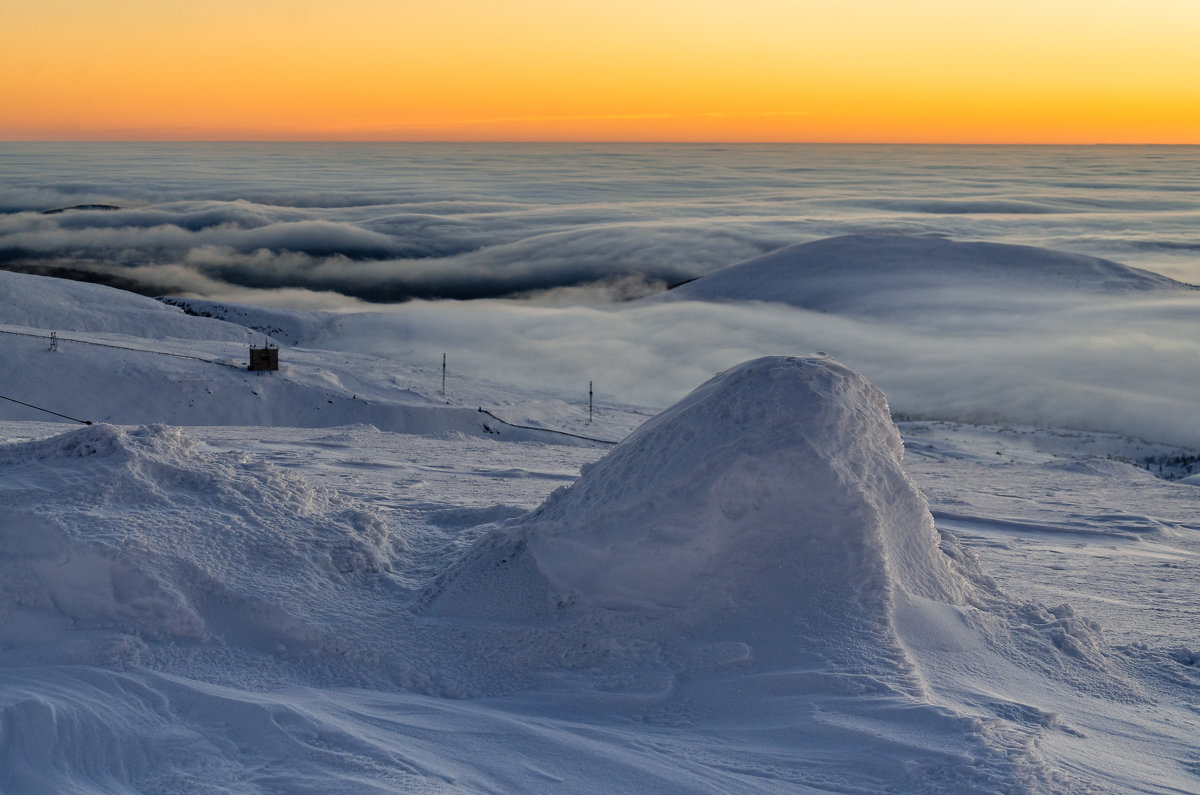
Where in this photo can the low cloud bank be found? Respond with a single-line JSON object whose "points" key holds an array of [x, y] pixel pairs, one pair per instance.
{"points": [[220, 249], [1123, 367], [217, 251]]}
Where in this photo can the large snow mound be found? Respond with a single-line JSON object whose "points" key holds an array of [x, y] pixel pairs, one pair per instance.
{"points": [[768, 507], [842, 273], [756, 555], [768, 514]]}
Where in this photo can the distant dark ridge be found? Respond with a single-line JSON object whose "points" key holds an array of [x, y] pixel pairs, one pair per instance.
{"points": [[673, 285], [97, 271], [58, 210]]}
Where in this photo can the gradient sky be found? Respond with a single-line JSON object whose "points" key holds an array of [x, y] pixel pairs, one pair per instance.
{"points": [[1020, 71]]}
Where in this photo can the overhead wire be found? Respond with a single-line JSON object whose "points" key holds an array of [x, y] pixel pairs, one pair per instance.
{"points": [[545, 430], [48, 411]]}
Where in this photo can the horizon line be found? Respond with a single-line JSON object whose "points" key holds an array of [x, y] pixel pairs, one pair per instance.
{"points": [[588, 142]]}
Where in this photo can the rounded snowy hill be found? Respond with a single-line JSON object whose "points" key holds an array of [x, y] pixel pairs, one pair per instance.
{"points": [[44, 302], [853, 272]]}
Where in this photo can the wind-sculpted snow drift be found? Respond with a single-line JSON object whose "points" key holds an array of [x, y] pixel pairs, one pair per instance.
{"points": [[760, 548], [767, 510], [151, 537], [768, 505]]}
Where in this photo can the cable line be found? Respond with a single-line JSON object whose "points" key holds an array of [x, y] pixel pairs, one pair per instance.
{"points": [[545, 430], [120, 347], [48, 411]]}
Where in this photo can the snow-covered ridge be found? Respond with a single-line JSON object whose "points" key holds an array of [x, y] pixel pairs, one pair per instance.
{"points": [[44, 302], [95, 353], [973, 332], [853, 272]]}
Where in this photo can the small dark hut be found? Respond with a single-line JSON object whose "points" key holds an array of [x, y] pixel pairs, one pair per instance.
{"points": [[264, 358]]}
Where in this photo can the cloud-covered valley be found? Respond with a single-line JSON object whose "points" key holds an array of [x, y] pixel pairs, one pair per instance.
{"points": [[337, 225]]}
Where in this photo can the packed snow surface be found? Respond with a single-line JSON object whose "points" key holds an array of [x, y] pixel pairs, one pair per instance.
{"points": [[338, 578]]}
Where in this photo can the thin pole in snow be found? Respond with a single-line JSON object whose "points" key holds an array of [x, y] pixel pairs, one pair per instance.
{"points": [[443, 375], [589, 402]]}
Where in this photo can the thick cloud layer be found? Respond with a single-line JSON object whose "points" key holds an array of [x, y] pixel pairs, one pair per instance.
{"points": [[334, 224], [1121, 365]]}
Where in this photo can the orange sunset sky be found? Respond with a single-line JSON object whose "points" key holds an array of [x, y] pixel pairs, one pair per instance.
{"points": [[961, 71]]}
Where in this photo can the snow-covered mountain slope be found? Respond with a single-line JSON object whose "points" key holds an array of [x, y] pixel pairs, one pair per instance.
{"points": [[123, 358], [44, 302], [748, 594], [285, 326], [857, 273]]}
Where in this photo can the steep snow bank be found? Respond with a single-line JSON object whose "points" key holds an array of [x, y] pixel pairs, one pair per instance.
{"points": [[767, 509], [840, 274], [756, 555], [769, 505]]}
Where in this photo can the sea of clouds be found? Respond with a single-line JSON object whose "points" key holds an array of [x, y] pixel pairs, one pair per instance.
{"points": [[335, 225]]}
